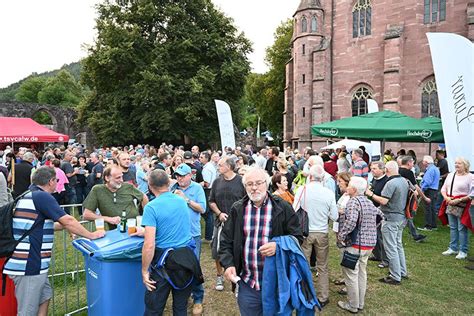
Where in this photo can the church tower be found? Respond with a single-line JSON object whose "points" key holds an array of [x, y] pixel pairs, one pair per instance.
{"points": [[308, 73]]}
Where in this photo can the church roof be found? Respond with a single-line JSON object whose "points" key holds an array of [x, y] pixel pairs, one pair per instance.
{"points": [[309, 4]]}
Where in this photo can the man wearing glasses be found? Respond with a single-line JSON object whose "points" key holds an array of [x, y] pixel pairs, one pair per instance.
{"points": [[245, 242], [112, 198]]}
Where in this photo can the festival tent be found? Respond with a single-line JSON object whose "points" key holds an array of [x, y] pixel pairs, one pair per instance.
{"points": [[25, 130], [383, 126]]}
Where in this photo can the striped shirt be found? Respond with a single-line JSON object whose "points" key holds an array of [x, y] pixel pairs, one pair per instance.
{"points": [[360, 169], [257, 232], [33, 254]]}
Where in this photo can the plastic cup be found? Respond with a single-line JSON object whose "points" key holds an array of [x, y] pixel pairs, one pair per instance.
{"points": [[132, 225], [139, 221], [99, 224]]}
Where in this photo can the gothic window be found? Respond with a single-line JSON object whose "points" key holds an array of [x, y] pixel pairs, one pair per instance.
{"points": [[434, 11], [429, 99], [359, 101], [314, 24], [361, 18], [304, 25]]}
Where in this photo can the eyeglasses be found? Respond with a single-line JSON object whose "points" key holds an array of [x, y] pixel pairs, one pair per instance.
{"points": [[254, 184]]}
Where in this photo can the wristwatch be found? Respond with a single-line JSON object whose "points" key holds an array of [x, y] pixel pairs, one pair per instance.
{"points": [[187, 200]]}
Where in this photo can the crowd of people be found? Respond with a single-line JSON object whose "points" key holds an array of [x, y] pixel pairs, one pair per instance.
{"points": [[250, 201]]}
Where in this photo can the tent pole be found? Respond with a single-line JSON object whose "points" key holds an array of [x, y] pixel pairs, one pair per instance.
{"points": [[429, 149]]}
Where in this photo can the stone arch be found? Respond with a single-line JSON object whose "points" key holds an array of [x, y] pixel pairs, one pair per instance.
{"points": [[44, 109]]}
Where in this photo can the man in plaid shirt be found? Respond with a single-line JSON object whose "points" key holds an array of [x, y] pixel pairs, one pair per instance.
{"points": [[253, 222]]}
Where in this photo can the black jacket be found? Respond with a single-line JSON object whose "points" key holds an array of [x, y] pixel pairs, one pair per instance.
{"points": [[181, 265], [22, 177], [284, 222]]}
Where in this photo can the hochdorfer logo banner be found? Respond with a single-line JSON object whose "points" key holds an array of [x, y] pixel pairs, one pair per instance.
{"points": [[226, 126], [453, 63]]}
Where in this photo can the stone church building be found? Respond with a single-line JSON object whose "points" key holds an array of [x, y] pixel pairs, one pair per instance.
{"points": [[346, 51]]}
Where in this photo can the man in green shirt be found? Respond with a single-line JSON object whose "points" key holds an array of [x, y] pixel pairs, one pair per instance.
{"points": [[112, 198]]}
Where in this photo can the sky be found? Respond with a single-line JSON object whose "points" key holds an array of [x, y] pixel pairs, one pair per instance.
{"points": [[38, 36]]}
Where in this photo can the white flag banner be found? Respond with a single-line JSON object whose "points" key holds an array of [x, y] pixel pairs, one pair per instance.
{"points": [[226, 126], [372, 107], [453, 63]]}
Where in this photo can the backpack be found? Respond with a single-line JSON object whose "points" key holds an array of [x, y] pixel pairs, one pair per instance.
{"points": [[303, 215], [7, 239], [412, 201]]}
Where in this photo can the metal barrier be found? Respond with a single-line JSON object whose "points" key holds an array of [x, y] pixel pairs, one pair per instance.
{"points": [[67, 274]]}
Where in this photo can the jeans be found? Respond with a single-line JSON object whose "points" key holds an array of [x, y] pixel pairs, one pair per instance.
{"points": [[249, 300], [431, 211], [356, 280], [458, 234], [198, 289], [392, 241], [81, 194], [155, 301], [209, 224], [412, 228]]}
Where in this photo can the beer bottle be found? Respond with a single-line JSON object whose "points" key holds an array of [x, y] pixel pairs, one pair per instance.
{"points": [[123, 222]]}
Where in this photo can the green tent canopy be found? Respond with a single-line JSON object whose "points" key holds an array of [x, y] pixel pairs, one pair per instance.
{"points": [[383, 126]]}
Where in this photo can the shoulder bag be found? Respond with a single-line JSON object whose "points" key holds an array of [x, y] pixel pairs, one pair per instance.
{"points": [[349, 260], [457, 209]]}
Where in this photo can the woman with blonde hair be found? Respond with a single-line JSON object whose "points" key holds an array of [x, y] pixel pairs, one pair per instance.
{"points": [[455, 191], [343, 164]]}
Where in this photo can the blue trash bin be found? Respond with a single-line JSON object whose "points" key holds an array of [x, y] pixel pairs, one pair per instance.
{"points": [[113, 274]]}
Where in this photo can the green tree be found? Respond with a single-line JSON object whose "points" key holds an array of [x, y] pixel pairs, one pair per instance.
{"points": [[61, 89], [267, 91], [156, 68], [29, 89]]}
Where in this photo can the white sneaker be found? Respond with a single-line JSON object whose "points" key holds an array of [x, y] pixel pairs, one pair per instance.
{"points": [[461, 255], [220, 283], [449, 252]]}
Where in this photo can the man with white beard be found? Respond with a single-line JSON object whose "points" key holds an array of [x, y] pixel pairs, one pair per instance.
{"points": [[245, 241]]}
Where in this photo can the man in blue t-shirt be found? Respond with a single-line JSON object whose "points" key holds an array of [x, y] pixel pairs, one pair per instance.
{"points": [[28, 266], [167, 225], [193, 194]]}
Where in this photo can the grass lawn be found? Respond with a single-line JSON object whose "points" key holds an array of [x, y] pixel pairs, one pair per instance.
{"points": [[437, 284]]}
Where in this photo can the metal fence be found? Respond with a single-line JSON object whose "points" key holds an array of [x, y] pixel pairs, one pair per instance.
{"points": [[67, 274]]}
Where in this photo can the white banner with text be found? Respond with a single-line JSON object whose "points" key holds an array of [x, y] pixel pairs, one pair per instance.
{"points": [[453, 63]]}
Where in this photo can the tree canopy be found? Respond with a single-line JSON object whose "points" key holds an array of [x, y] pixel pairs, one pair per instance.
{"points": [[267, 91], [156, 68]]}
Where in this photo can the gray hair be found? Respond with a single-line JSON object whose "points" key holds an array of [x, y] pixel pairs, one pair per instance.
{"points": [[392, 167], [229, 160], [158, 179], [317, 173], [29, 156], [315, 161], [359, 152], [465, 163], [406, 159], [379, 164], [43, 175], [252, 170], [428, 159], [358, 183]]}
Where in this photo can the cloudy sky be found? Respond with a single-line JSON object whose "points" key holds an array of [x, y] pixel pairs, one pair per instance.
{"points": [[38, 36]]}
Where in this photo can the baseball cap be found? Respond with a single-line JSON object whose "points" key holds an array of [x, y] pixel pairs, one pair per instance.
{"points": [[183, 169], [187, 155]]}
